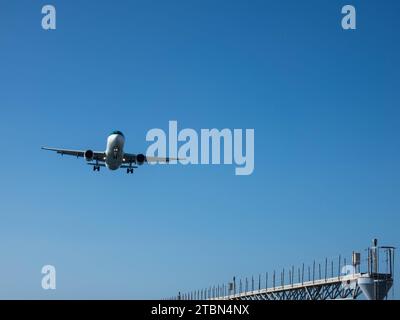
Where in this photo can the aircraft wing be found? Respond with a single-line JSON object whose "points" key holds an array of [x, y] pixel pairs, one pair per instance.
{"points": [[99, 156], [133, 158]]}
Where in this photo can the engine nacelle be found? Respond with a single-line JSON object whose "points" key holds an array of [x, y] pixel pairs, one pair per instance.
{"points": [[140, 159], [89, 155]]}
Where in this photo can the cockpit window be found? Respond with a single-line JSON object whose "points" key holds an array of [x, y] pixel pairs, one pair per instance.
{"points": [[118, 132]]}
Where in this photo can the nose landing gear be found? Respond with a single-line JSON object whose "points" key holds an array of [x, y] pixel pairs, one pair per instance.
{"points": [[96, 168], [129, 170]]}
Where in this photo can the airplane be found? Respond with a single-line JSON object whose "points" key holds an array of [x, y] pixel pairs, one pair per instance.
{"points": [[114, 157]]}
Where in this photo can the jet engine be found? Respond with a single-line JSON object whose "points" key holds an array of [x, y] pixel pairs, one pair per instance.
{"points": [[140, 159], [89, 155]]}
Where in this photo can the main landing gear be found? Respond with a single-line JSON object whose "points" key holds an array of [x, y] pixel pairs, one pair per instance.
{"points": [[129, 170]]}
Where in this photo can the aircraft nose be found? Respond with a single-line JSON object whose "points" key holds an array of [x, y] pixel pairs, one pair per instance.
{"points": [[117, 132]]}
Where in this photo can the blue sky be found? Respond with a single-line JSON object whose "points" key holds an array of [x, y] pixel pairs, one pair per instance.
{"points": [[323, 103]]}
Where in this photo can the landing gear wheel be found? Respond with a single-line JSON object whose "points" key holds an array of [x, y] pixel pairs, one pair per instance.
{"points": [[96, 168], [129, 170]]}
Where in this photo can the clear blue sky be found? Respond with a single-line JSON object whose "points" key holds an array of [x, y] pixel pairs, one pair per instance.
{"points": [[324, 104]]}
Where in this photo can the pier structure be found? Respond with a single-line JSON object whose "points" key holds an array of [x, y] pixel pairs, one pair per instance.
{"points": [[329, 280]]}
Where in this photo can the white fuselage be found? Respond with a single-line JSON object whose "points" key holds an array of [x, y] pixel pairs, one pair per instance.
{"points": [[114, 151]]}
